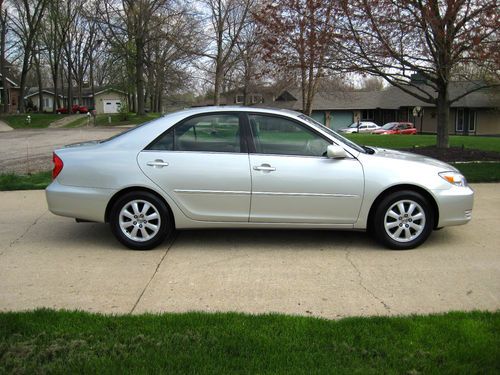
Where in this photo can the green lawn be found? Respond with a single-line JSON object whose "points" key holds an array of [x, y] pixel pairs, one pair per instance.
{"points": [[480, 172], [46, 341], [408, 141], [35, 181], [38, 120], [116, 119]]}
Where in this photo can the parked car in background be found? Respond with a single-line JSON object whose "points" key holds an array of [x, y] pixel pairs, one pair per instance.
{"points": [[242, 167], [397, 128], [360, 127], [74, 109]]}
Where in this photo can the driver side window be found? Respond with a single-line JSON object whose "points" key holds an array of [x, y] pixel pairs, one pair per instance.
{"points": [[277, 135]]}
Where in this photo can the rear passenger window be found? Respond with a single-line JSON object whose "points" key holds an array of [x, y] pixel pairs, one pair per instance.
{"points": [[211, 133]]}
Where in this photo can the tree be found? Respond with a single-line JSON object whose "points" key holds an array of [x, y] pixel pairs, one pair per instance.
{"points": [[129, 25], [3, 68], [434, 39], [26, 21], [297, 35], [228, 18]]}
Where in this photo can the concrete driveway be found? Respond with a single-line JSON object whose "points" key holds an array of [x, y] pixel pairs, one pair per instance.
{"points": [[51, 261]]}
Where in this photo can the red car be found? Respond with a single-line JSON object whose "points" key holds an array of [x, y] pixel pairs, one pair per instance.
{"points": [[74, 109], [397, 128]]}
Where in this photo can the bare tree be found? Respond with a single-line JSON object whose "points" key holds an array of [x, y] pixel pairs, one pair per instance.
{"points": [[26, 19], [3, 68], [297, 35], [431, 38], [227, 20], [128, 26]]}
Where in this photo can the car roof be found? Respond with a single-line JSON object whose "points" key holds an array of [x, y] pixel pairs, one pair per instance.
{"points": [[237, 108]]}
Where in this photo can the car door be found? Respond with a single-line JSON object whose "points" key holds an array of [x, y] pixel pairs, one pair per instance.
{"points": [[202, 164], [292, 179], [362, 129]]}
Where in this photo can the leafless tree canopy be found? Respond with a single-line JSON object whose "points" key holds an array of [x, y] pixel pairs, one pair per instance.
{"points": [[159, 51]]}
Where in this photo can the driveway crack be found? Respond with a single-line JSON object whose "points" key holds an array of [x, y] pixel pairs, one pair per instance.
{"points": [[174, 237], [26, 230], [360, 280]]}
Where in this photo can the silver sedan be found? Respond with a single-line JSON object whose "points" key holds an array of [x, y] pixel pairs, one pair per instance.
{"points": [[237, 167]]}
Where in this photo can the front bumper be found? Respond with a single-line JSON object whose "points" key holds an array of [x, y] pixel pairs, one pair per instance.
{"points": [[78, 202], [455, 205]]}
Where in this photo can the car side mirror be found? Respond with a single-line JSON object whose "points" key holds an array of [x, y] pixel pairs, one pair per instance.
{"points": [[335, 152]]}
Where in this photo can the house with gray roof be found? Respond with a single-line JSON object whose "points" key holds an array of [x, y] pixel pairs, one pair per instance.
{"points": [[476, 113]]}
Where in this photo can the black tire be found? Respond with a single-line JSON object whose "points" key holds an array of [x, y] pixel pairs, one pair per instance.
{"points": [[165, 227], [403, 241]]}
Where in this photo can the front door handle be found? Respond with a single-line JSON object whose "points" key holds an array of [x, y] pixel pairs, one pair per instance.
{"points": [[264, 167], [158, 163]]}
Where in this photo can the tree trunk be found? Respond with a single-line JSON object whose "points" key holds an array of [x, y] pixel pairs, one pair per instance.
{"points": [[55, 81], [24, 75], [39, 81], [3, 69], [139, 66], [62, 91], [217, 84], [443, 118]]}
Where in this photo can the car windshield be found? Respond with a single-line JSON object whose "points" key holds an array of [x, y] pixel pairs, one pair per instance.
{"points": [[333, 133], [355, 125], [390, 125]]}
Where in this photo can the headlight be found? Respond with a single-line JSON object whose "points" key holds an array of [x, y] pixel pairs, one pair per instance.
{"points": [[454, 178]]}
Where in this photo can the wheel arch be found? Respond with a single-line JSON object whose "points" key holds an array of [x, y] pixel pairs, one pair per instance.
{"points": [[428, 196], [129, 189]]}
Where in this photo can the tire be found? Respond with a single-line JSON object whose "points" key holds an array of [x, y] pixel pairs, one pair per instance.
{"points": [[396, 231], [150, 229]]}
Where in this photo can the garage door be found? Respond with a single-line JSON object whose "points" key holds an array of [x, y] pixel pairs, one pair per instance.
{"points": [[319, 116], [340, 119], [111, 105]]}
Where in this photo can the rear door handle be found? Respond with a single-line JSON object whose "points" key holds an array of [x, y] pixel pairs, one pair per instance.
{"points": [[264, 167], [158, 163]]}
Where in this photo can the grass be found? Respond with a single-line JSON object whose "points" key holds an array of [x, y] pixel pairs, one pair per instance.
{"points": [[35, 181], [480, 172], [38, 120], [408, 141], [116, 119], [47, 341]]}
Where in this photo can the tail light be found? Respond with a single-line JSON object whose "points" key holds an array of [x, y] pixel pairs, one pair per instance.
{"points": [[58, 165]]}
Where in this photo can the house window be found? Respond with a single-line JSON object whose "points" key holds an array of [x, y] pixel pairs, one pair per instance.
{"points": [[459, 121], [472, 121], [367, 114], [239, 99]]}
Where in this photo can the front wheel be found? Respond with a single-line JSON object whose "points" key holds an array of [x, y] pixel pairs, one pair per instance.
{"points": [[403, 220], [140, 220]]}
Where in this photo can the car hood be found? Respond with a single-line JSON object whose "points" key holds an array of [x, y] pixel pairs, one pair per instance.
{"points": [[408, 156], [378, 131]]}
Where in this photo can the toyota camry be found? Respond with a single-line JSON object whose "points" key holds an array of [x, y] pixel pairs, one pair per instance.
{"points": [[240, 167]]}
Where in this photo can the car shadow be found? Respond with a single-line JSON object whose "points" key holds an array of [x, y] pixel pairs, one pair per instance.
{"points": [[275, 239], [98, 235]]}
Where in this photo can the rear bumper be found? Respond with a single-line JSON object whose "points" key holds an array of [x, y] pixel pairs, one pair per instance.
{"points": [[78, 202], [455, 205]]}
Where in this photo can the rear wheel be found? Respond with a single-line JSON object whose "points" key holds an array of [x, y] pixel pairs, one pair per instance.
{"points": [[403, 220], [140, 220]]}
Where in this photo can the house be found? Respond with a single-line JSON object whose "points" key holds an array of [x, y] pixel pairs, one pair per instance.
{"points": [[13, 90], [107, 100], [477, 113]]}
